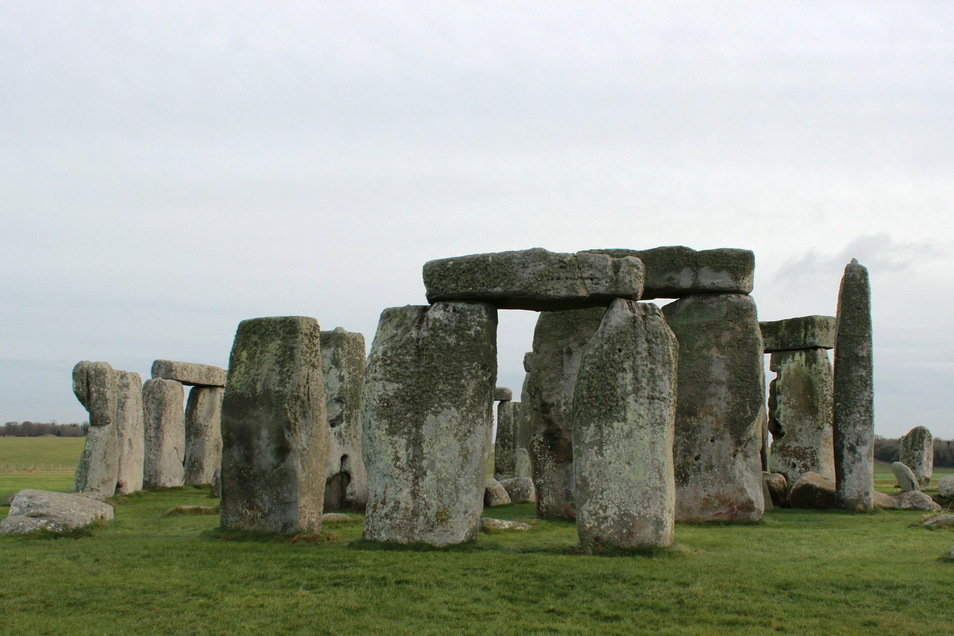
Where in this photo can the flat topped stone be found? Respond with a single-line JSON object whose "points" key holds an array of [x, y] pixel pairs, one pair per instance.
{"points": [[806, 332], [189, 373], [535, 279], [40, 509], [502, 394], [677, 271]]}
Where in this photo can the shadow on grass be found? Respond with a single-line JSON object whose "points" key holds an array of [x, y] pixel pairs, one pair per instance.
{"points": [[470, 546], [244, 536], [191, 511]]}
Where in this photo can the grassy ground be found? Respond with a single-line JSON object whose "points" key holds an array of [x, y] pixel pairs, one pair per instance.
{"points": [[40, 450]]}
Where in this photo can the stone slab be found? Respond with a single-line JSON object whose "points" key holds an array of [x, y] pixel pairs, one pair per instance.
{"points": [[189, 373], [806, 332], [32, 510]]}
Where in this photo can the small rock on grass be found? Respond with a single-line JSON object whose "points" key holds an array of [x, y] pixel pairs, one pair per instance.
{"points": [[499, 524], [940, 520], [334, 516], [917, 500]]}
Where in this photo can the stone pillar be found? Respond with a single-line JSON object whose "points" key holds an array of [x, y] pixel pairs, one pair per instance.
{"points": [[274, 430], [427, 409], [343, 362], [203, 434], [624, 410], [917, 453], [853, 394], [558, 342], [522, 434], [720, 407], [505, 444], [130, 435], [95, 386], [164, 432]]}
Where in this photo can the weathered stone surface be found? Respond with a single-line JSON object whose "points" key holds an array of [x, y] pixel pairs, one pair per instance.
{"points": [[623, 417], [495, 494], [520, 489], [523, 434], [806, 332], [558, 342], [945, 486], [39, 509], [917, 500], [720, 407], [203, 434], [427, 414], [917, 453], [905, 476], [95, 386], [534, 279], [164, 432], [129, 432], [487, 524], [274, 431], [946, 521], [800, 414], [189, 373], [502, 394], [777, 487], [334, 516], [505, 442], [343, 362], [812, 491], [853, 395], [677, 271]]}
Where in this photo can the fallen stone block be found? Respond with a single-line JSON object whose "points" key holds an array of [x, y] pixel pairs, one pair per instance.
{"points": [[917, 500], [944, 521], [189, 373], [806, 332], [777, 486], [33, 510], [520, 489], [812, 491], [488, 524], [905, 476], [495, 494]]}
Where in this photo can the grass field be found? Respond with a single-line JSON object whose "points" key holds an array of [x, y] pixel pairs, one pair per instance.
{"points": [[40, 450]]}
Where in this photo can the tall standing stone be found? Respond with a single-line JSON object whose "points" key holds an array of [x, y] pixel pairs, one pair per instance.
{"points": [[343, 363], [95, 386], [558, 342], [624, 410], [917, 453], [522, 433], [720, 407], [427, 411], [505, 459], [203, 434], [129, 431], [274, 428], [853, 394], [164, 433]]}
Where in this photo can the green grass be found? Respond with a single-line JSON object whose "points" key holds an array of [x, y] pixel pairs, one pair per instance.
{"points": [[41, 450]]}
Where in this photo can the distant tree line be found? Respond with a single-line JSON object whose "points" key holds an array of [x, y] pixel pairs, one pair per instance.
{"points": [[39, 429], [889, 450]]}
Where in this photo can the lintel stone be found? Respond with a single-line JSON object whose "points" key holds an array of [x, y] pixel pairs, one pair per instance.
{"points": [[806, 332], [189, 373]]}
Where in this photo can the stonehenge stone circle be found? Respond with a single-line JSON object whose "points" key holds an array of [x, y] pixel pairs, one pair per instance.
{"points": [[720, 407], [812, 491], [274, 428], [189, 373], [505, 464], [907, 482], [853, 398], [502, 394], [95, 385], [917, 452], [203, 434], [427, 414], [945, 486], [558, 342], [806, 332], [520, 489], [129, 432], [40, 509], [343, 362], [623, 420], [534, 279], [164, 433]]}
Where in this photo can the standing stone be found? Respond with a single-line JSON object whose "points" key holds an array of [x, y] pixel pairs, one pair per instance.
{"points": [[522, 432], [95, 386], [558, 342], [129, 431], [624, 410], [720, 407], [274, 430], [164, 432], [342, 365], [853, 401], [203, 434], [917, 452], [800, 414], [907, 482], [427, 409], [505, 465]]}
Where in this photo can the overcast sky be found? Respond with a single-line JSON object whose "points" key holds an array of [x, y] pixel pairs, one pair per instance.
{"points": [[168, 169]]}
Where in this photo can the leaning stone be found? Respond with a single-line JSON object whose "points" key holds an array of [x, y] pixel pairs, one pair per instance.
{"points": [[502, 394], [945, 486], [800, 414], [807, 332], [495, 494], [534, 279], [343, 362], [853, 397], [487, 524], [129, 432], [812, 491], [274, 431], [558, 342], [623, 416], [164, 426], [427, 416], [720, 408], [905, 476], [917, 500], [95, 385], [189, 373], [677, 271], [203, 434], [520, 489], [59, 512], [777, 487], [917, 452]]}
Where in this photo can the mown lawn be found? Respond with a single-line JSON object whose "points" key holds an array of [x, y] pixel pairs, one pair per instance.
{"points": [[40, 450]]}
